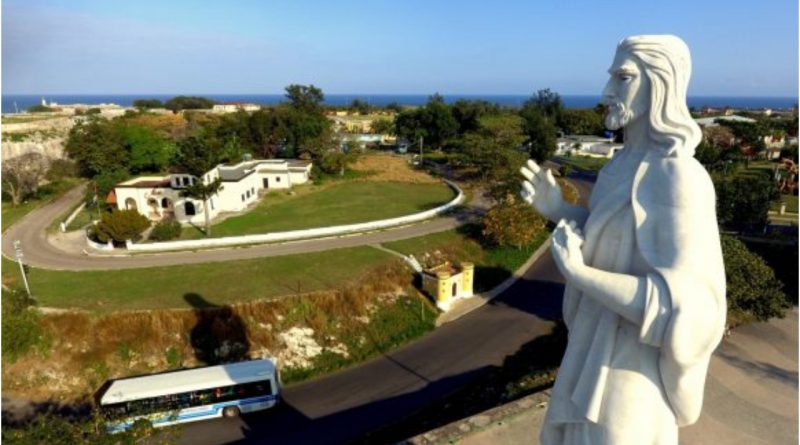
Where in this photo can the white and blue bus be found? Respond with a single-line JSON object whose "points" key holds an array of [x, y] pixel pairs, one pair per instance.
{"points": [[191, 395]]}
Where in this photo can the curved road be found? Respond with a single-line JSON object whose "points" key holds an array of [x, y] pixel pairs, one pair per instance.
{"points": [[39, 252], [346, 405]]}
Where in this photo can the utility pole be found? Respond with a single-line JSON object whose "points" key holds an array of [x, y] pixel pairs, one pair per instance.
{"points": [[19, 255], [420, 151]]}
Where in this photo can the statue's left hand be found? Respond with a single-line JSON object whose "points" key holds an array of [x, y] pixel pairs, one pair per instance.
{"points": [[566, 248]]}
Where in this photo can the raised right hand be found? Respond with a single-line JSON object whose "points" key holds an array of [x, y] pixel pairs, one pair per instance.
{"points": [[541, 190]]}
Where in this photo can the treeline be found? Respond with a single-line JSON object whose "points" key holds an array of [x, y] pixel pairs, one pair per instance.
{"points": [[110, 151]]}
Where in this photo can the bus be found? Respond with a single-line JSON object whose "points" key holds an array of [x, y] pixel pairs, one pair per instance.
{"points": [[191, 395]]}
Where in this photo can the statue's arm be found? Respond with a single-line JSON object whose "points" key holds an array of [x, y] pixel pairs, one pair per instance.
{"points": [[621, 293], [571, 212]]}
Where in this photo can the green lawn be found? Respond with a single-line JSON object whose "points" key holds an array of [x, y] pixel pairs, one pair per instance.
{"points": [[46, 193], [584, 162], [320, 206], [492, 264], [224, 282], [789, 200]]}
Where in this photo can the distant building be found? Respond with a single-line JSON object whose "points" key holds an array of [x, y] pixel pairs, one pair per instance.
{"points": [[159, 197], [711, 121], [232, 107], [587, 145], [446, 282]]}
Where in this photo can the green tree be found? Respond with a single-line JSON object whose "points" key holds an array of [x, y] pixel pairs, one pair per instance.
{"points": [[752, 289], [547, 102], [359, 106], [512, 223], [97, 146], [434, 122], [394, 106], [580, 121], [541, 133], [382, 126], [179, 103], [197, 157], [39, 109], [744, 200], [121, 225], [149, 152], [305, 97], [148, 103], [492, 148], [468, 113]]}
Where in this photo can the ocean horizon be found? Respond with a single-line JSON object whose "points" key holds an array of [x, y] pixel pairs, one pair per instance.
{"points": [[12, 103]]}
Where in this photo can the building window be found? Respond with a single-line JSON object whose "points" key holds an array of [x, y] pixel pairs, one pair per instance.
{"points": [[277, 179], [188, 208], [253, 190], [165, 203], [211, 201], [185, 180], [247, 193], [242, 198]]}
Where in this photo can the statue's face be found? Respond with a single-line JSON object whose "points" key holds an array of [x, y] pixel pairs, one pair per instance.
{"points": [[627, 93]]}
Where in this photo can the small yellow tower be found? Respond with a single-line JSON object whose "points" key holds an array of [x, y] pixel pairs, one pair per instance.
{"points": [[445, 283]]}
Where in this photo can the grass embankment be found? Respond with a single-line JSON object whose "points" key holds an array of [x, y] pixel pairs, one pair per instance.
{"points": [[223, 282], [309, 335], [47, 193]]}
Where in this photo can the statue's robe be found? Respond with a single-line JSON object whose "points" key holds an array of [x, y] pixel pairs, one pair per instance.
{"points": [[624, 383]]}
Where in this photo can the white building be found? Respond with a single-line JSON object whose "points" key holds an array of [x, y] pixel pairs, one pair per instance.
{"points": [[159, 197], [232, 107], [587, 145], [711, 121]]}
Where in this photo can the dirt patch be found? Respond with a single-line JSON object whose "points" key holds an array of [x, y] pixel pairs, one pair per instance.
{"points": [[388, 167]]}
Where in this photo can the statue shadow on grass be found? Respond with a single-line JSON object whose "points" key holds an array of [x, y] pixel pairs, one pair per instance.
{"points": [[219, 334]]}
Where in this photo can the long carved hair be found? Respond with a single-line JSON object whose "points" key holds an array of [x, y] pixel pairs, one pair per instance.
{"points": [[668, 65]]}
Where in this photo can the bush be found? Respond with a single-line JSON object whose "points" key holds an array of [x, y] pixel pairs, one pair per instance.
{"points": [[165, 231], [512, 223], [21, 326], [743, 201], [62, 168], [121, 225], [753, 292], [39, 109]]}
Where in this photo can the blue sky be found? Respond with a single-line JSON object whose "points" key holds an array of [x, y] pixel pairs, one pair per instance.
{"points": [[739, 48]]}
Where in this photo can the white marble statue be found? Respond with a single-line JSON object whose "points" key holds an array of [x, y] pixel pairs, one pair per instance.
{"points": [[645, 295]]}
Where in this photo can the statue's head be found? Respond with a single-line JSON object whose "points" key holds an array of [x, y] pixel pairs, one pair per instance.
{"points": [[649, 80]]}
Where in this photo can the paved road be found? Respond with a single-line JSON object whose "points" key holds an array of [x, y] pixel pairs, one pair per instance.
{"points": [[39, 252], [346, 405]]}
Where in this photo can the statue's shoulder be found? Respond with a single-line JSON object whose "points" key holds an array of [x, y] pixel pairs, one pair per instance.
{"points": [[676, 181]]}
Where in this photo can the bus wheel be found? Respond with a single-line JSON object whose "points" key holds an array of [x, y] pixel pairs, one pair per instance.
{"points": [[230, 411]]}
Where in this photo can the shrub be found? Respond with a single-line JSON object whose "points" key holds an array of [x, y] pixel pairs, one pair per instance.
{"points": [[752, 289], [121, 225], [743, 200], [62, 168], [21, 326], [512, 223], [39, 109], [165, 231]]}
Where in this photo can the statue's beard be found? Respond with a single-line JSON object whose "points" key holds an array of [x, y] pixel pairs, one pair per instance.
{"points": [[618, 116]]}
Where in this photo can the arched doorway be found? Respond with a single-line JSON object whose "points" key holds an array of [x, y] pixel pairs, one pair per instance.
{"points": [[152, 213], [167, 209], [130, 204], [188, 208]]}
